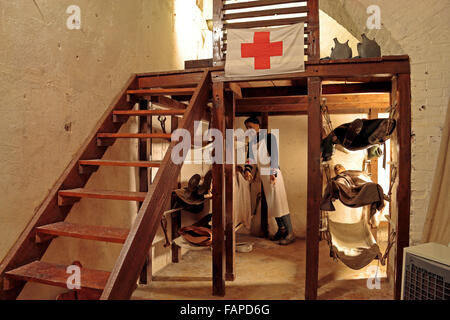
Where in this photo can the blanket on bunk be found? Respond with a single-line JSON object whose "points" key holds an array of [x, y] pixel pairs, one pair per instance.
{"points": [[354, 189], [358, 135]]}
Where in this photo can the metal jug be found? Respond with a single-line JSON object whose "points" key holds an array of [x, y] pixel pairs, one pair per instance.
{"points": [[368, 48], [341, 50]]}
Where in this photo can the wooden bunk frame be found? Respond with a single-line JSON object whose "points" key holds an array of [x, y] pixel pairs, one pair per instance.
{"points": [[350, 86]]}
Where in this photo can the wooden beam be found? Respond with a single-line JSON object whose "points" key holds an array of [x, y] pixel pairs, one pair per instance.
{"points": [[264, 13], [404, 175], [170, 80], [313, 31], [218, 221], [234, 86], [253, 4], [143, 152], [264, 208], [25, 250], [358, 68], [335, 102], [132, 256], [230, 176], [217, 33], [168, 103], [314, 188], [175, 216]]}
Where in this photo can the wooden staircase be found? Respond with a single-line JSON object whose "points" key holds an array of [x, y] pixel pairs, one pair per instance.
{"points": [[23, 262]]}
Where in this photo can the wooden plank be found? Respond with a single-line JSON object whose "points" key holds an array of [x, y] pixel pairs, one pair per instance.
{"points": [[230, 176], [170, 81], [264, 208], [314, 188], [168, 103], [335, 103], [202, 63], [144, 126], [161, 92], [25, 250], [98, 233], [120, 163], [265, 23], [132, 256], [218, 33], [134, 135], [236, 89], [253, 4], [404, 175], [175, 216], [56, 275], [313, 31], [102, 194], [337, 70], [218, 203], [261, 13], [154, 112]]}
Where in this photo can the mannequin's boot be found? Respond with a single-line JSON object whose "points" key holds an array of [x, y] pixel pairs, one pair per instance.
{"points": [[290, 236], [282, 230]]}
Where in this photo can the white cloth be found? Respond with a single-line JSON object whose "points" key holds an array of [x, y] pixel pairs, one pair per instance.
{"points": [[242, 205], [277, 203], [265, 51]]}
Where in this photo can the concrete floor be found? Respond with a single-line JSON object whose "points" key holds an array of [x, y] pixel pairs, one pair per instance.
{"points": [[269, 272]]}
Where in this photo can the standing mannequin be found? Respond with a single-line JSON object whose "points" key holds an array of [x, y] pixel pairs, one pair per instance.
{"points": [[265, 147]]}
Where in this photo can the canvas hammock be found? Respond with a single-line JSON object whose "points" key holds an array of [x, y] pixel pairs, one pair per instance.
{"points": [[353, 243]]}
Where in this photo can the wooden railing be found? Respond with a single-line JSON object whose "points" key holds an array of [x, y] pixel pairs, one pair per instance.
{"points": [[122, 280]]}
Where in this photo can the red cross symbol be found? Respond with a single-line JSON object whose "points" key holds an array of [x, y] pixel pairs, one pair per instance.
{"points": [[261, 49]]}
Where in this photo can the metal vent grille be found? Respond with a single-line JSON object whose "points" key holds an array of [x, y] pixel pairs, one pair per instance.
{"points": [[426, 280]]}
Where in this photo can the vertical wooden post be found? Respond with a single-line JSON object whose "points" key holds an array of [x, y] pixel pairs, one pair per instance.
{"points": [[373, 162], [217, 32], [175, 216], [144, 149], [374, 169], [313, 28], [264, 210], [218, 220], [404, 174], [230, 175], [314, 188]]}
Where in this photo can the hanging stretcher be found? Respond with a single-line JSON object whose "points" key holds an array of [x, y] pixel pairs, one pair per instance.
{"points": [[354, 243]]}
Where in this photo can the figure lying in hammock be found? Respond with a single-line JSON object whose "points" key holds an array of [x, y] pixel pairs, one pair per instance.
{"points": [[357, 135], [354, 189]]}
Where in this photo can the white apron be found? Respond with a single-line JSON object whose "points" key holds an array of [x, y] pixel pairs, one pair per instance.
{"points": [[277, 203]]}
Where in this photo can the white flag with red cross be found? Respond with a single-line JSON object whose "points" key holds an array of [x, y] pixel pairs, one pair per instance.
{"points": [[265, 51]]}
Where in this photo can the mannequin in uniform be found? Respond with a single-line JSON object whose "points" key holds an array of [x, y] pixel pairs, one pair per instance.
{"points": [[266, 159]]}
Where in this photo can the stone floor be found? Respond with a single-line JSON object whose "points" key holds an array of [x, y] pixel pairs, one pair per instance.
{"points": [[269, 272]]}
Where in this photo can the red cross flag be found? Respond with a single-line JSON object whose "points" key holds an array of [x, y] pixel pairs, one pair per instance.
{"points": [[265, 51]]}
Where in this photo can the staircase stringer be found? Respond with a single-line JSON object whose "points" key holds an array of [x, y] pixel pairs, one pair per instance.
{"points": [[25, 249], [122, 280]]}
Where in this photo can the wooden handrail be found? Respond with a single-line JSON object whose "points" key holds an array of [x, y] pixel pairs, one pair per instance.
{"points": [[129, 264]]}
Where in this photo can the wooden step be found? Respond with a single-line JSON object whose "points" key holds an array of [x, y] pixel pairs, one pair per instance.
{"points": [[162, 92], [87, 166], [56, 275], [123, 115], [68, 197], [98, 233], [107, 139], [168, 112]]}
